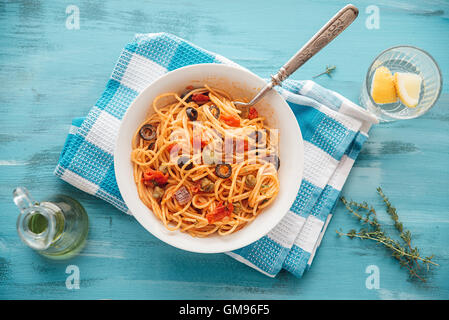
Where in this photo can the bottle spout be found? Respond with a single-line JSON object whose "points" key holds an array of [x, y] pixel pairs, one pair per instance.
{"points": [[22, 199], [36, 225]]}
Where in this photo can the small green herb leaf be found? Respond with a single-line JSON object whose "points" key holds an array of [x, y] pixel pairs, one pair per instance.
{"points": [[329, 70]]}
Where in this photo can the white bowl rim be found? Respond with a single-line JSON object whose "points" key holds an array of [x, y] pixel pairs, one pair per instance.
{"points": [[125, 193]]}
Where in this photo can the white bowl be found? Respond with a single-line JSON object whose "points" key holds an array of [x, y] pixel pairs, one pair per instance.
{"points": [[239, 83]]}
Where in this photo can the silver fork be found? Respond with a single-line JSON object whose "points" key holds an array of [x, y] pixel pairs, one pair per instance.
{"points": [[326, 34]]}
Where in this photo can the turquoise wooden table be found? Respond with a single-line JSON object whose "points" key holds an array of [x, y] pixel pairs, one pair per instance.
{"points": [[51, 72]]}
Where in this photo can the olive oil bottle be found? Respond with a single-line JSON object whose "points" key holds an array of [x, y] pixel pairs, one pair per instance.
{"points": [[56, 228]]}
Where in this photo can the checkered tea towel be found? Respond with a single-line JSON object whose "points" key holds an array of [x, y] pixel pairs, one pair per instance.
{"points": [[333, 128]]}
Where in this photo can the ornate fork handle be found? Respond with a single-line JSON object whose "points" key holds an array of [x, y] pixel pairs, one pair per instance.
{"points": [[326, 34]]}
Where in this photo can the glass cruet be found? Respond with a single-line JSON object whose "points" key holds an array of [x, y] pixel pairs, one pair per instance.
{"points": [[56, 228]]}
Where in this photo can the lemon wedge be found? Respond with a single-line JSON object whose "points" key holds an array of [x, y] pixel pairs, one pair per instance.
{"points": [[408, 87], [382, 88]]}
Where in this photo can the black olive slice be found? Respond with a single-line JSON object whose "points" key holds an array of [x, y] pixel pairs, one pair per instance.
{"points": [[151, 146], [182, 161], [148, 132], [186, 93], [215, 111], [224, 171], [274, 159], [192, 113]]}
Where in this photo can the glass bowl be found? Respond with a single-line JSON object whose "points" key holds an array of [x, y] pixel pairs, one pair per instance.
{"points": [[404, 59]]}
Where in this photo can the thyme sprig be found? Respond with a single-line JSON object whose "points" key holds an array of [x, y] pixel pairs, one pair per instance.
{"points": [[402, 251], [329, 70]]}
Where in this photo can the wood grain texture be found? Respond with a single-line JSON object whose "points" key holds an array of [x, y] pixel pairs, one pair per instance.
{"points": [[50, 74]]}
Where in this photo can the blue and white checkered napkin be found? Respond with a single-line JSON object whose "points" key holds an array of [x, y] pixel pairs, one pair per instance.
{"points": [[333, 128]]}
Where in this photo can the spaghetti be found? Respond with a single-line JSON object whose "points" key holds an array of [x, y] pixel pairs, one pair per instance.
{"points": [[202, 165]]}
